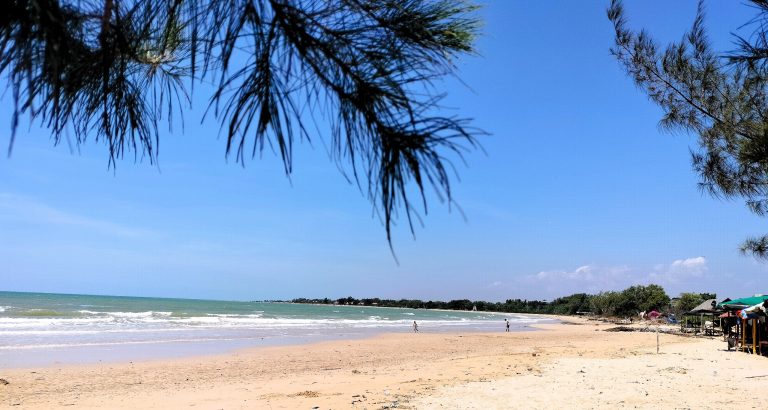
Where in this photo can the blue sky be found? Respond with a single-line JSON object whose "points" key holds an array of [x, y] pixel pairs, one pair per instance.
{"points": [[577, 190]]}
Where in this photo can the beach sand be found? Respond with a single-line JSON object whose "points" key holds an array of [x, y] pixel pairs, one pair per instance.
{"points": [[576, 364]]}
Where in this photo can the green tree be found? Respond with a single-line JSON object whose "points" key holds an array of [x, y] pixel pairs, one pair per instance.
{"points": [[721, 97], [705, 296], [687, 301], [114, 71], [654, 298], [605, 303], [460, 304], [570, 305], [642, 298]]}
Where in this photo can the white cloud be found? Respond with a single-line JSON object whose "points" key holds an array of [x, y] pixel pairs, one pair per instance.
{"points": [[585, 274], [589, 278], [694, 266], [593, 278], [681, 269]]}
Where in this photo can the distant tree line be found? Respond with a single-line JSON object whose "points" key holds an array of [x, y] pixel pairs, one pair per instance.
{"points": [[627, 302]]}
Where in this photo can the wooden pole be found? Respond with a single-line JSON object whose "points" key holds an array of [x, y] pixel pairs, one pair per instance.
{"points": [[754, 336], [657, 339], [743, 334]]}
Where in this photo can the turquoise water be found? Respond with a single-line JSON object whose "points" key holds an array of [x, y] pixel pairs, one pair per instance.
{"points": [[44, 329]]}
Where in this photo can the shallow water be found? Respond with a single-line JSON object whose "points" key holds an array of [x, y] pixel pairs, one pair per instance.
{"points": [[39, 329]]}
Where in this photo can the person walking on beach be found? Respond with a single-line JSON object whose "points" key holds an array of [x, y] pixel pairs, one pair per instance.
{"points": [[507, 322], [415, 327]]}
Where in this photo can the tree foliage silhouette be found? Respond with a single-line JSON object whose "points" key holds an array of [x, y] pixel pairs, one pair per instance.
{"points": [[721, 97], [115, 70]]}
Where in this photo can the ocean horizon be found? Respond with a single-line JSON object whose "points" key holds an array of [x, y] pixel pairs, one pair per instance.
{"points": [[40, 329]]}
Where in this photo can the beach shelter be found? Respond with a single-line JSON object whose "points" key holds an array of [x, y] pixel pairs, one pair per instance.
{"points": [[754, 309], [707, 307], [752, 314], [740, 303], [750, 311]]}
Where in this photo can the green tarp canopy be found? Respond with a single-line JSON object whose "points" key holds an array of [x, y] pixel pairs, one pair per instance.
{"points": [[750, 301]]}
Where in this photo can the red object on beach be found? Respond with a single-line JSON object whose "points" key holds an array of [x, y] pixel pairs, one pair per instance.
{"points": [[653, 314]]}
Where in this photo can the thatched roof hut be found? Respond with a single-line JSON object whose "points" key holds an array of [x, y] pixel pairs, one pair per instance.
{"points": [[706, 307]]}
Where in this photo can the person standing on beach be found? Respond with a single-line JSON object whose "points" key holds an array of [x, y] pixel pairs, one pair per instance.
{"points": [[415, 327], [507, 323]]}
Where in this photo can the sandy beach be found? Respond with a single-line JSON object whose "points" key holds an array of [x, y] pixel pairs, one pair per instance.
{"points": [[575, 363]]}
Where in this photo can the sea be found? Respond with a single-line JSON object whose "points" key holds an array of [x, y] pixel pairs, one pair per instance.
{"points": [[45, 329]]}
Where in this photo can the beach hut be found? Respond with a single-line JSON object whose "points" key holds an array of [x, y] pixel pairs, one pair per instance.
{"points": [[742, 303], [750, 331], [707, 307]]}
